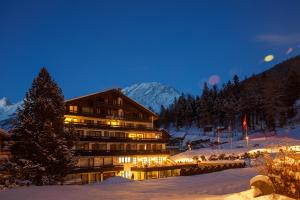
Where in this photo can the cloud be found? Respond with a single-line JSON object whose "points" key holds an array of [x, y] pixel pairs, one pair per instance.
{"points": [[277, 39], [290, 50]]}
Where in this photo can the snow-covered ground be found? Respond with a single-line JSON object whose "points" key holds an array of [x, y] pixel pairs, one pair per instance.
{"points": [[257, 141], [258, 144], [218, 185]]}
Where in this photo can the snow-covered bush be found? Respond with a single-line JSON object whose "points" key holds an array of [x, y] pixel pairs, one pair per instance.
{"points": [[221, 156], [213, 157], [283, 170], [203, 158], [195, 158]]}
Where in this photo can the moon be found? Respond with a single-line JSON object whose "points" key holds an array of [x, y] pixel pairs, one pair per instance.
{"points": [[214, 79], [269, 58]]}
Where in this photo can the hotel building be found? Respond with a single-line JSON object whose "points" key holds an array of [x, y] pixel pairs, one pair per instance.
{"points": [[117, 138]]}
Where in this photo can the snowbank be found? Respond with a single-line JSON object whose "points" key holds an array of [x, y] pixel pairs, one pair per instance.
{"points": [[207, 186]]}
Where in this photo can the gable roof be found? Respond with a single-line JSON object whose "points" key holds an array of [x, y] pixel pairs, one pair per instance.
{"points": [[121, 94]]}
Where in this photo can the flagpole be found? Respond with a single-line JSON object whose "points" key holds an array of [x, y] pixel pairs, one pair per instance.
{"points": [[245, 127]]}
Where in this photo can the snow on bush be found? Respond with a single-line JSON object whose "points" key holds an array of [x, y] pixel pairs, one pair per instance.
{"points": [[283, 169]]}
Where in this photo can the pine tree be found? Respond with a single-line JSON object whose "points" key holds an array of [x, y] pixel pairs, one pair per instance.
{"points": [[291, 93], [42, 149]]}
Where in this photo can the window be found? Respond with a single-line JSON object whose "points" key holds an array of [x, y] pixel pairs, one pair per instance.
{"points": [[98, 110], [120, 134], [159, 147], [133, 146], [112, 134], [101, 100], [134, 160], [95, 147], [148, 147], [141, 126], [88, 121], [113, 147], [106, 134], [94, 133], [80, 133], [87, 110], [73, 109], [124, 159], [84, 146], [120, 101], [142, 147], [103, 147]]}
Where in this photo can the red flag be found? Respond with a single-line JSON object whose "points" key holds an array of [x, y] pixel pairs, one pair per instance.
{"points": [[245, 123]]}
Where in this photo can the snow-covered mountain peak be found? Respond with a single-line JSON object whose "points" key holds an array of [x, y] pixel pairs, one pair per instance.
{"points": [[4, 102], [7, 108], [152, 94]]}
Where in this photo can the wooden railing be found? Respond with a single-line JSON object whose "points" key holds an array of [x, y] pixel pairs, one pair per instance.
{"points": [[119, 152]]}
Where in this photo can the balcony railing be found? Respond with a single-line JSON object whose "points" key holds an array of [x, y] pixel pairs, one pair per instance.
{"points": [[102, 168], [122, 139], [106, 126], [120, 152], [162, 167], [106, 116]]}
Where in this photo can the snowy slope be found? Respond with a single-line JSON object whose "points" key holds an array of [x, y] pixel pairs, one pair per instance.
{"points": [[152, 94], [284, 137], [7, 109]]}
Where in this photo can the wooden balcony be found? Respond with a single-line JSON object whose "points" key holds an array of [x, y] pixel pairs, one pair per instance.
{"points": [[162, 167], [103, 168], [123, 139], [120, 152], [106, 116], [114, 127]]}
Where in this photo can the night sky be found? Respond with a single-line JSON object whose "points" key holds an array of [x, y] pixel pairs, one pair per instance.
{"points": [[92, 45]]}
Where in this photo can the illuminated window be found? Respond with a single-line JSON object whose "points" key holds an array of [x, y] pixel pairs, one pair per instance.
{"points": [[134, 160], [125, 174], [124, 159], [73, 109]]}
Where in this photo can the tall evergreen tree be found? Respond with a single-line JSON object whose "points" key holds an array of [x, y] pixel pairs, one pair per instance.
{"points": [[42, 149], [291, 93]]}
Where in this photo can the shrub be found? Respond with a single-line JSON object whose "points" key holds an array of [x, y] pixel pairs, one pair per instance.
{"points": [[283, 170], [203, 158], [221, 156], [195, 158], [212, 157]]}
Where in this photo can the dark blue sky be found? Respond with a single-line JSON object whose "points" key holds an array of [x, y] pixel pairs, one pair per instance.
{"points": [[92, 45]]}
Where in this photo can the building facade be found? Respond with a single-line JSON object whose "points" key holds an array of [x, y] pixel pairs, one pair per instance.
{"points": [[5, 143], [117, 138]]}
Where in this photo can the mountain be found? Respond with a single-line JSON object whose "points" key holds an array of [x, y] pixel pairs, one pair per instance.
{"points": [[148, 94], [7, 109], [278, 71], [7, 112], [152, 94]]}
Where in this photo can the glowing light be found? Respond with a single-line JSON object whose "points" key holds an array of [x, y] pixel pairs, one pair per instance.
{"points": [[214, 79], [269, 58], [290, 50]]}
